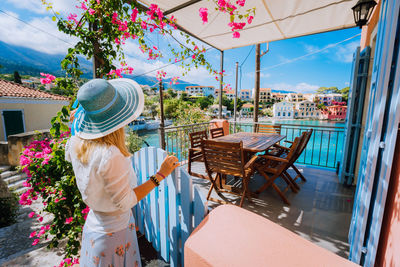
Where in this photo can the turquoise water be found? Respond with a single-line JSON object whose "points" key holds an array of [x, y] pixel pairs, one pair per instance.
{"points": [[324, 148]]}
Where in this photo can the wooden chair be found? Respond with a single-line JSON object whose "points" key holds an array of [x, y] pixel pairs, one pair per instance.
{"points": [[305, 138], [226, 158], [216, 132], [195, 154], [269, 129], [272, 167]]}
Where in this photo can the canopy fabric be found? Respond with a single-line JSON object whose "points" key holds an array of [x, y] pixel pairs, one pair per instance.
{"points": [[274, 20]]}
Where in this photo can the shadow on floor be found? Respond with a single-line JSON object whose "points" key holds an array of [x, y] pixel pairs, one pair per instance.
{"points": [[320, 212]]}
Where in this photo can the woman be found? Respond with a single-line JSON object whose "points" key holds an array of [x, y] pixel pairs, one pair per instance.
{"points": [[104, 172]]}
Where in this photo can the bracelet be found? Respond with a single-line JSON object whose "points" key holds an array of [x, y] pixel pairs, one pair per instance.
{"points": [[162, 175], [154, 180]]}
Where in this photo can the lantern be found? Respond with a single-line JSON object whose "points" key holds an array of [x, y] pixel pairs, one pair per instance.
{"points": [[362, 11]]}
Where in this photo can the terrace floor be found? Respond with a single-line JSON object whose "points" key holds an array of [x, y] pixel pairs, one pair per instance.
{"points": [[320, 212]]}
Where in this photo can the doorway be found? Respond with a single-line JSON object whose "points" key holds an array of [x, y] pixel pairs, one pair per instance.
{"points": [[13, 122]]}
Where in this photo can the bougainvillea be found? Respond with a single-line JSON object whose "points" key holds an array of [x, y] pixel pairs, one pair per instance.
{"points": [[51, 180]]}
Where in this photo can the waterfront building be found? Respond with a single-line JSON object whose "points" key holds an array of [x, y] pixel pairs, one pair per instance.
{"points": [[265, 95], [336, 112], [198, 90], [283, 110], [306, 109], [325, 99], [294, 97], [245, 94], [278, 97], [247, 110], [230, 94]]}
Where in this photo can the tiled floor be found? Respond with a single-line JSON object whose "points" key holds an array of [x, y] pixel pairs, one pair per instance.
{"points": [[320, 211]]}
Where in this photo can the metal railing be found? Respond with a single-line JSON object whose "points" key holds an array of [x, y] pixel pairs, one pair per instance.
{"points": [[177, 138], [324, 148]]}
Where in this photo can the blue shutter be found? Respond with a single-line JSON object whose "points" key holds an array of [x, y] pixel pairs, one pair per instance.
{"points": [[379, 139], [355, 108]]}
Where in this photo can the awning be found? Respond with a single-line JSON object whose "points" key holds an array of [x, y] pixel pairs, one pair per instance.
{"points": [[274, 20]]}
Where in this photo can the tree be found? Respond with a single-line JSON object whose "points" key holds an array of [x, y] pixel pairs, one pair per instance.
{"points": [[171, 93], [17, 78], [321, 106], [328, 90], [204, 102], [345, 93]]}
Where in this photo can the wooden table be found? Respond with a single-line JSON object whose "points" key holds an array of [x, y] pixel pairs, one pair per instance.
{"points": [[253, 142]]}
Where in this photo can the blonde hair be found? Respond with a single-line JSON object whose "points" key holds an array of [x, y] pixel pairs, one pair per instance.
{"points": [[85, 147]]}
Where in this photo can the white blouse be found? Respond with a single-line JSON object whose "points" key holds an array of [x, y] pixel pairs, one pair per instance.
{"points": [[106, 184]]}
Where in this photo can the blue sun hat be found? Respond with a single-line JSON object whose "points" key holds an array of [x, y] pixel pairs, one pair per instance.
{"points": [[106, 106]]}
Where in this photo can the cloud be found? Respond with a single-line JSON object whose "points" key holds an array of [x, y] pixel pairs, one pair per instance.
{"points": [[298, 88], [48, 40], [345, 52], [200, 75], [262, 74], [35, 6]]}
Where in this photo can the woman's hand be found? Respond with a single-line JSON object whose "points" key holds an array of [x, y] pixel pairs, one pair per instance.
{"points": [[72, 115], [169, 164]]}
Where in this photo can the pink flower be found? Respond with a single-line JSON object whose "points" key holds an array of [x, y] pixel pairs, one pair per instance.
{"points": [[35, 242], [236, 35], [250, 19], [85, 210], [40, 219], [117, 41], [91, 11], [41, 232], [31, 214], [69, 220], [241, 2], [203, 12], [32, 234], [134, 14], [98, 2], [143, 24], [194, 56]]}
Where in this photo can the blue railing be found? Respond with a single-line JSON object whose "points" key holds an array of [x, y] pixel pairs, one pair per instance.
{"points": [[324, 148]]}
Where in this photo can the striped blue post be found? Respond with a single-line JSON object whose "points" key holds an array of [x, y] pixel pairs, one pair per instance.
{"points": [[168, 214]]}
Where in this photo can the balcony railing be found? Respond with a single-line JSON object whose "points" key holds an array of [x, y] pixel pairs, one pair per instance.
{"points": [[177, 138], [324, 148]]}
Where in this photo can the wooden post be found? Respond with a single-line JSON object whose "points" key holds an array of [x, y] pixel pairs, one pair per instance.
{"points": [[162, 125], [235, 100], [221, 77], [257, 87]]}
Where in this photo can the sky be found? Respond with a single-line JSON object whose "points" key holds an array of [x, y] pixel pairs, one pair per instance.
{"points": [[300, 64]]}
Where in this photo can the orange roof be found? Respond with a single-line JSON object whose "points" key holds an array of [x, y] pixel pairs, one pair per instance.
{"points": [[12, 89], [265, 89]]}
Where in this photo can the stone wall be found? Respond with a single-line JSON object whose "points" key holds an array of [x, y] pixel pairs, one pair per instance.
{"points": [[3, 153], [15, 145]]}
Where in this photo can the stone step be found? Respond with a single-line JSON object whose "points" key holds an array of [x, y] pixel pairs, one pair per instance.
{"points": [[7, 174], [16, 185], [15, 178], [4, 168], [21, 190]]}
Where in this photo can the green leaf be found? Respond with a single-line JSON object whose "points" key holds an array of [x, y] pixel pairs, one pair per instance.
{"points": [[53, 18]]}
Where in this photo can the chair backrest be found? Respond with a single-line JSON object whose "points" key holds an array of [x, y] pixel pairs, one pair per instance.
{"points": [[216, 132], [196, 138], [269, 129], [303, 140], [223, 157]]}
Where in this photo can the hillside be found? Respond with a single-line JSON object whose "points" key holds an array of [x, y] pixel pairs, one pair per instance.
{"points": [[30, 62]]}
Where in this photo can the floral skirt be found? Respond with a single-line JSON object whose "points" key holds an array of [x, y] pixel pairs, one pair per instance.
{"points": [[110, 250]]}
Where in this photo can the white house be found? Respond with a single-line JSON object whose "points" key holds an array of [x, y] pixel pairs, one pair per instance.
{"points": [[214, 109], [247, 110], [283, 110], [199, 90]]}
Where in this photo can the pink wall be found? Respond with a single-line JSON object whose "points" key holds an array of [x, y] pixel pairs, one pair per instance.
{"points": [[389, 243]]}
